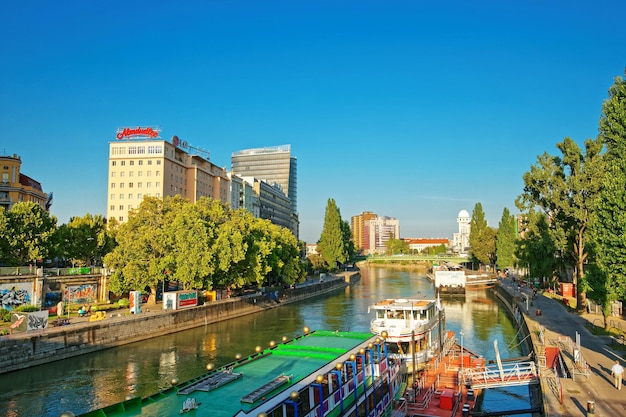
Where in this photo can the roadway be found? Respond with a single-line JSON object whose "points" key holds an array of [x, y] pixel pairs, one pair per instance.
{"points": [[571, 397]]}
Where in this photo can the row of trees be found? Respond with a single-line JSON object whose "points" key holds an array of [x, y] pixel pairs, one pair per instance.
{"points": [[29, 234], [573, 213], [202, 245]]}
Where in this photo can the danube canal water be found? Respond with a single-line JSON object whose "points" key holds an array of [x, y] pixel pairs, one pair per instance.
{"points": [[96, 380]]}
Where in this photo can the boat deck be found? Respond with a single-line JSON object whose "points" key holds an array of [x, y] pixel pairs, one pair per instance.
{"points": [[438, 392], [243, 385]]}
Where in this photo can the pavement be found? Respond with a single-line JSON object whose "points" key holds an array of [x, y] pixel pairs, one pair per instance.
{"points": [[592, 395]]}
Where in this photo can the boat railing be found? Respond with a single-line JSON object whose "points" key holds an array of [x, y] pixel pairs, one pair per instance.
{"points": [[422, 404]]}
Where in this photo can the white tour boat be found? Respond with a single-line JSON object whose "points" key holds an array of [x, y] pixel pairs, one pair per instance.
{"points": [[413, 329]]}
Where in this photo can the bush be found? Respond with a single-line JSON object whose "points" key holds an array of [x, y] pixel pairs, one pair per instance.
{"points": [[5, 315], [123, 303], [27, 308]]}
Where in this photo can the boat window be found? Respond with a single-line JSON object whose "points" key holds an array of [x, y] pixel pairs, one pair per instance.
{"points": [[416, 315], [380, 314], [399, 315]]}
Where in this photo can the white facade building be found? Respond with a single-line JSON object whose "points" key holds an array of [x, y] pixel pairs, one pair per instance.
{"points": [[460, 240], [379, 230]]}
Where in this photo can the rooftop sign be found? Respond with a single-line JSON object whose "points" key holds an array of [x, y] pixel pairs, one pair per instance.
{"points": [[138, 132]]}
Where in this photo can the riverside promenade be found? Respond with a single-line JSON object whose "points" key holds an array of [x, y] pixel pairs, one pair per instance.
{"points": [[576, 394]]}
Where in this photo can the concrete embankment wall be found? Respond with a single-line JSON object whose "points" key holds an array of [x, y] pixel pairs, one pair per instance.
{"points": [[21, 351], [528, 339]]}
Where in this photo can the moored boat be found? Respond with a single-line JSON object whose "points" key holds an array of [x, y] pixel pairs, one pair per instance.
{"points": [[317, 374], [442, 388], [413, 329]]}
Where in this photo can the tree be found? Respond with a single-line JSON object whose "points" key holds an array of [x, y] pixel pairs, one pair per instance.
{"points": [[482, 237], [535, 250], [29, 230], [331, 245], [396, 246], [83, 240], [565, 188], [505, 241], [608, 272], [347, 239]]}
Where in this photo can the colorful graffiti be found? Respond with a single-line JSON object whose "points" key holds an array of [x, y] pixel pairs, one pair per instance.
{"points": [[80, 293], [12, 296]]}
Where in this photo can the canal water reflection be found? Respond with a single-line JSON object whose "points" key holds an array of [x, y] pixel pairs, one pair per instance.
{"points": [[96, 380]]}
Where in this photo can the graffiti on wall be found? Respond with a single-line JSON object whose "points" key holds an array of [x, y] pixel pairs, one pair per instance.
{"points": [[14, 295], [77, 294]]}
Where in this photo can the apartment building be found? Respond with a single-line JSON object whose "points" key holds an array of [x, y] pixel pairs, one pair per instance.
{"points": [[141, 164], [16, 187], [359, 236]]}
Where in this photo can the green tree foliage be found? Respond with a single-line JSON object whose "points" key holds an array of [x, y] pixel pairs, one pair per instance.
{"points": [[331, 245], [505, 241], [83, 240], [535, 250], [608, 274], [347, 239], [482, 237], [28, 232], [204, 245], [564, 188], [397, 246]]}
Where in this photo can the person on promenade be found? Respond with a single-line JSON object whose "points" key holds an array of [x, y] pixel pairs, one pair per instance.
{"points": [[617, 371]]}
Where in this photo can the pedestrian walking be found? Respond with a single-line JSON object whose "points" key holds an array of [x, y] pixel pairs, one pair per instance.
{"points": [[618, 372]]}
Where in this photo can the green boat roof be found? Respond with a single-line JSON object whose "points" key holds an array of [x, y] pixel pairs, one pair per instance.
{"points": [[241, 387]]}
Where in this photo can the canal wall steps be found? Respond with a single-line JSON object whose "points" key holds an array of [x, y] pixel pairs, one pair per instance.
{"points": [[20, 351]]}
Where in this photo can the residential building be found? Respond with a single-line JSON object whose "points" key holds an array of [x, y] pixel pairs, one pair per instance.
{"points": [[16, 187], [420, 244], [357, 224], [379, 231], [273, 205], [141, 164]]}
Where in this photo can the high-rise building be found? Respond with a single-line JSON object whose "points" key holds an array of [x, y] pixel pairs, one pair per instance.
{"points": [[379, 231], [274, 165], [16, 187], [273, 174], [141, 164], [357, 224]]}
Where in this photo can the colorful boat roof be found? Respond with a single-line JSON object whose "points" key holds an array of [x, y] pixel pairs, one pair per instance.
{"points": [[250, 385]]}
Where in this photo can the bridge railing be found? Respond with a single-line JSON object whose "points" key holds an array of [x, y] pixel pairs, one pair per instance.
{"points": [[520, 373]]}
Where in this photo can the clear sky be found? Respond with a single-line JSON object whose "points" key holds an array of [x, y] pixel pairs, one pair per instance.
{"points": [[410, 109]]}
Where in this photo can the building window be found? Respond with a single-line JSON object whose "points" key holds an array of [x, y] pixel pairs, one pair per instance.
{"points": [[158, 195], [139, 185], [132, 163], [148, 184], [123, 163], [141, 150], [139, 196], [113, 173], [149, 161], [112, 208], [149, 173], [122, 174], [121, 185], [158, 184], [112, 185], [130, 185], [121, 207], [113, 163], [132, 150], [159, 162], [121, 218], [121, 196], [140, 162], [131, 174], [130, 196], [112, 197], [139, 173]]}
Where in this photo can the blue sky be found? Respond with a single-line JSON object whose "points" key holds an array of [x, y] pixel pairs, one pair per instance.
{"points": [[410, 109]]}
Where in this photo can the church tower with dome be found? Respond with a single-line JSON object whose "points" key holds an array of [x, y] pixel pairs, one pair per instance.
{"points": [[460, 240]]}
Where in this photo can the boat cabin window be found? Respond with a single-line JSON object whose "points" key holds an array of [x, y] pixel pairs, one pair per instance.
{"points": [[396, 314]]}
